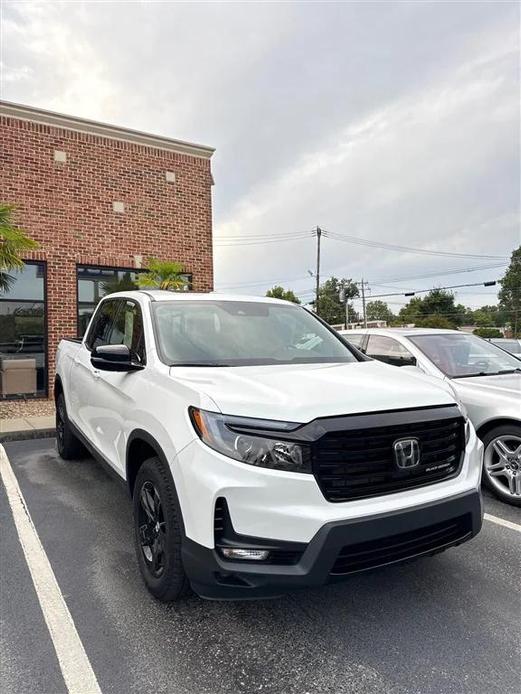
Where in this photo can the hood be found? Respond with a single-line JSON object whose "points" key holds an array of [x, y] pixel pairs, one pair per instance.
{"points": [[303, 392], [506, 385]]}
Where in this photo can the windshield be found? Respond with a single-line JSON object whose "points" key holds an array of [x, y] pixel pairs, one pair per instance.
{"points": [[240, 333], [512, 346], [460, 355]]}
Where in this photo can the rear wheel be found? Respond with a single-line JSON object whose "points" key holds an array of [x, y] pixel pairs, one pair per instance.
{"points": [[502, 463], [157, 532], [69, 447]]}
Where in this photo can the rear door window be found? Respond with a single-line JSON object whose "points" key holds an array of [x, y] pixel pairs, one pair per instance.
{"points": [[389, 350]]}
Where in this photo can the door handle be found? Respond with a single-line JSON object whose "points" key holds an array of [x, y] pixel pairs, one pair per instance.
{"points": [[95, 373]]}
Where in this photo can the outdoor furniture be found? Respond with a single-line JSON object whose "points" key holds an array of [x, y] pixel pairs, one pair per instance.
{"points": [[17, 376]]}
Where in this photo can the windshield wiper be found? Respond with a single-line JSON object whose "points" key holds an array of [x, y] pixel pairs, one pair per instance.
{"points": [[489, 373]]}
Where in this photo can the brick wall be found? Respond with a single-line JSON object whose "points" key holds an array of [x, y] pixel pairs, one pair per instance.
{"points": [[68, 208]]}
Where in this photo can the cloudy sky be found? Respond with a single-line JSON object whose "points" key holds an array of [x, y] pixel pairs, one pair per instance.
{"points": [[393, 122]]}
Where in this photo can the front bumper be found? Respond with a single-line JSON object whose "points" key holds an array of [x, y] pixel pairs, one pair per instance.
{"points": [[338, 549], [288, 506]]}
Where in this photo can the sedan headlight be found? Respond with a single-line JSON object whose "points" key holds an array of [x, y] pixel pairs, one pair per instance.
{"points": [[468, 425], [224, 434]]}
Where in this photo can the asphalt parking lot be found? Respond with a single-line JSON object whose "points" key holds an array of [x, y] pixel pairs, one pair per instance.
{"points": [[449, 623]]}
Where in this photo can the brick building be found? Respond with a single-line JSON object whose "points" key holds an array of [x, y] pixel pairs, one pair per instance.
{"points": [[99, 200]]}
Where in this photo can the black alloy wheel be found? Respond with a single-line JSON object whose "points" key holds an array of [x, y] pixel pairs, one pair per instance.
{"points": [[69, 447], [152, 528], [158, 531]]}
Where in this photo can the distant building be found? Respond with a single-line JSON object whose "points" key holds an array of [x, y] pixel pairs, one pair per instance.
{"points": [[99, 199], [358, 326]]}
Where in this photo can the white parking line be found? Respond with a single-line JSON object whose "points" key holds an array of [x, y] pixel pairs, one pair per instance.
{"points": [[503, 522], [75, 666]]}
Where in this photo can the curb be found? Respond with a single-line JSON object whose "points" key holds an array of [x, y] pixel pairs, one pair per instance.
{"points": [[9, 436]]}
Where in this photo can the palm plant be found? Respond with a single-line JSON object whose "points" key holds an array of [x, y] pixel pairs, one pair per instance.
{"points": [[13, 242], [162, 274], [123, 284]]}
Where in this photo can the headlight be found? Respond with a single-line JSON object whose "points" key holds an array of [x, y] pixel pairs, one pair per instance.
{"points": [[468, 425], [223, 434]]}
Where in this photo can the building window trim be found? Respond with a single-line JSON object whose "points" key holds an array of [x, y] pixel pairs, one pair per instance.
{"points": [[43, 394], [108, 268]]}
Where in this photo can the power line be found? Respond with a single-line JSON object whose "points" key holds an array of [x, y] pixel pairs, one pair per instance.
{"points": [[441, 273], [405, 249], [421, 291], [263, 240], [259, 238], [454, 271]]}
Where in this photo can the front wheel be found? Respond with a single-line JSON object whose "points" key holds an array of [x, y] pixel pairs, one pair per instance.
{"points": [[502, 463], [69, 447], [157, 532]]}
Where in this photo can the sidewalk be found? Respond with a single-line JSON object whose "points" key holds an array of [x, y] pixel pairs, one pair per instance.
{"points": [[16, 428]]}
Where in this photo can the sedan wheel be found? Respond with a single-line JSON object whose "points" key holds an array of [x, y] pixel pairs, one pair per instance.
{"points": [[502, 464]]}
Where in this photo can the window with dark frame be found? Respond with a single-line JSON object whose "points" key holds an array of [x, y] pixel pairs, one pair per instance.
{"points": [[389, 350], [23, 339], [95, 282]]}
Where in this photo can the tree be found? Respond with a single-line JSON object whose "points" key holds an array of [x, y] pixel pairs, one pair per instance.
{"points": [[487, 332], [437, 304], [434, 321], [13, 242], [331, 309], [378, 310], [490, 315], [279, 292], [510, 293], [162, 274]]}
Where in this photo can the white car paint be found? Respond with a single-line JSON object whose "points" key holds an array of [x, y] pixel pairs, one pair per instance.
{"points": [[107, 407], [491, 401], [486, 398]]}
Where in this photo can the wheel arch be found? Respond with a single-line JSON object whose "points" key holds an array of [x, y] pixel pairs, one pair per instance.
{"points": [[58, 387], [484, 428], [140, 446]]}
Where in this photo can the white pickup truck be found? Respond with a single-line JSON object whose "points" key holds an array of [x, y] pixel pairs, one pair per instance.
{"points": [[261, 451]]}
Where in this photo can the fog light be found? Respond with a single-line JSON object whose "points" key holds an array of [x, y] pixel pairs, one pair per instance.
{"points": [[235, 553]]}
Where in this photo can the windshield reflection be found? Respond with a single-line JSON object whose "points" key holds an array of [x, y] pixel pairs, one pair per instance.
{"points": [[461, 355]]}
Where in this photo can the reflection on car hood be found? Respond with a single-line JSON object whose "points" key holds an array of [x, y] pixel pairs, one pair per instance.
{"points": [[303, 392], [505, 384]]}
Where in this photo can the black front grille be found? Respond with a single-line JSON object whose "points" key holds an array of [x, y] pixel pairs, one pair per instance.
{"points": [[414, 543], [360, 463]]}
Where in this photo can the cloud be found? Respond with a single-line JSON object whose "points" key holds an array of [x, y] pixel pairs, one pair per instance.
{"points": [[391, 121]]}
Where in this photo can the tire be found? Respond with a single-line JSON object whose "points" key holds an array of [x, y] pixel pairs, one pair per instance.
{"points": [[502, 463], [157, 532], [69, 447]]}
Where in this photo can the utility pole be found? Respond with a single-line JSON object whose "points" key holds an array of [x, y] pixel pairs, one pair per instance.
{"points": [[363, 302], [317, 275], [344, 299]]}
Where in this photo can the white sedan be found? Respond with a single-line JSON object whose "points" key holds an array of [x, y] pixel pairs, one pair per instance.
{"points": [[486, 379]]}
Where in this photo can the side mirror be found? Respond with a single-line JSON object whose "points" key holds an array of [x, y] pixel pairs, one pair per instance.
{"points": [[113, 358]]}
